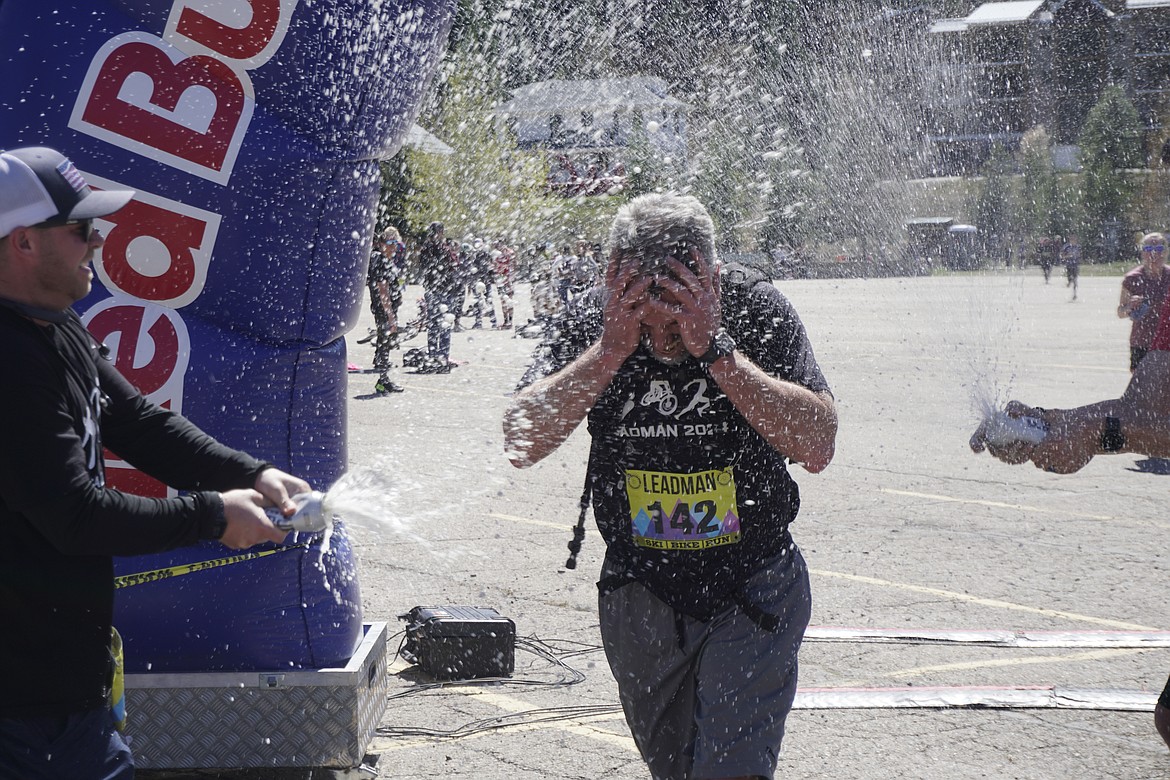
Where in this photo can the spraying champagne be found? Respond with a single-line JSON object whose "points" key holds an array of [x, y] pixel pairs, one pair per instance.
{"points": [[310, 516], [1002, 430]]}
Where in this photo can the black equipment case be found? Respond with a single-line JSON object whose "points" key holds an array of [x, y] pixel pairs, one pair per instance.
{"points": [[460, 643]]}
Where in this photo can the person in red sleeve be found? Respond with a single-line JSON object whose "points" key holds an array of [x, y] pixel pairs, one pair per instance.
{"points": [[1142, 292]]}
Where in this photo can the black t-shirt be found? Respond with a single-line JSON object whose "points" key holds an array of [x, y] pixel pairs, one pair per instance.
{"points": [[439, 268], [690, 499]]}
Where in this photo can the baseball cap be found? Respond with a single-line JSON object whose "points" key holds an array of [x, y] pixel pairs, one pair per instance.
{"points": [[38, 184]]}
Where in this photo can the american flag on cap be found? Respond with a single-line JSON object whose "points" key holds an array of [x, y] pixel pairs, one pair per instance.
{"points": [[72, 175]]}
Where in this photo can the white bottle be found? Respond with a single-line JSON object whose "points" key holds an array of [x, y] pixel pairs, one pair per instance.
{"points": [[310, 516], [1002, 430]]}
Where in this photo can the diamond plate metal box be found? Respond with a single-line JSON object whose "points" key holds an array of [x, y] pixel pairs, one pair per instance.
{"points": [[244, 720]]}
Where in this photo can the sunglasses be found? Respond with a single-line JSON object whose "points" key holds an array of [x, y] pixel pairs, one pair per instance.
{"points": [[1154, 248], [86, 226]]}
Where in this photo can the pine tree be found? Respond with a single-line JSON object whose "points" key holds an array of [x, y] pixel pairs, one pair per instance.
{"points": [[1110, 142], [1037, 204]]}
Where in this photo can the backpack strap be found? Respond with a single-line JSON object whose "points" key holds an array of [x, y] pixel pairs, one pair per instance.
{"points": [[736, 283], [579, 529]]}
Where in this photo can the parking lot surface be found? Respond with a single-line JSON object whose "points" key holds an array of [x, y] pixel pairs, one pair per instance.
{"points": [[1060, 577]]}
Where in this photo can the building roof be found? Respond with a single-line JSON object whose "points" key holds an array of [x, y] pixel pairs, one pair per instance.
{"points": [[1136, 5], [556, 96], [1005, 13], [948, 25], [418, 138]]}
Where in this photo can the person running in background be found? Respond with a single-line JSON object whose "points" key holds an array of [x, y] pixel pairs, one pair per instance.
{"points": [[1143, 290], [1046, 251]]}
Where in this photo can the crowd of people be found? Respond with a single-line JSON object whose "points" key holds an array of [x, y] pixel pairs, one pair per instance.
{"points": [[465, 281]]}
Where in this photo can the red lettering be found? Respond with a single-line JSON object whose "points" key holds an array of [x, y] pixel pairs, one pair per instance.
{"points": [[129, 480], [236, 43], [156, 344], [167, 128], [178, 234]]}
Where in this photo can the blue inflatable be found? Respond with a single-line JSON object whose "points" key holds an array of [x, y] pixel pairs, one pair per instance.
{"points": [[251, 130]]}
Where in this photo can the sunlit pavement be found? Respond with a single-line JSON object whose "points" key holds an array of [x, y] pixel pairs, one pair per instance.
{"points": [[906, 530]]}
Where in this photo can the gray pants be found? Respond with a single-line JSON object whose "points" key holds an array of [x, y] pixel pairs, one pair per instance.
{"points": [[716, 705]]}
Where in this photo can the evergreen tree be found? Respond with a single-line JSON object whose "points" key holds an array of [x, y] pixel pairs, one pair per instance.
{"points": [[859, 135], [487, 186], [1113, 131], [1038, 193], [1110, 142], [397, 188]]}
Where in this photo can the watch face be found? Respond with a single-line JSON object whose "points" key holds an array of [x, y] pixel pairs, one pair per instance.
{"points": [[724, 344]]}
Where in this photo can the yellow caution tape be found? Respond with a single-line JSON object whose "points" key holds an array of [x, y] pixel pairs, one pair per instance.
{"points": [[155, 575]]}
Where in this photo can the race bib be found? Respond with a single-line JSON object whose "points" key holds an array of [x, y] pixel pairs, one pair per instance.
{"points": [[671, 511]]}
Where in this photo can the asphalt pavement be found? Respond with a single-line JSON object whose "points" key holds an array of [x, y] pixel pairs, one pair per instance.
{"points": [[972, 619]]}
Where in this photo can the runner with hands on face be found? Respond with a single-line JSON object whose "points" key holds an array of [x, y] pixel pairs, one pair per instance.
{"points": [[697, 393]]}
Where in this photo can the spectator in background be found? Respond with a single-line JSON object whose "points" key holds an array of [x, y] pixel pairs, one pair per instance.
{"points": [[1143, 291], [562, 277], [581, 272], [384, 280], [503, 259], [463, 279], [482, 277], [439, 274], [545, 301], [1070, 256]]}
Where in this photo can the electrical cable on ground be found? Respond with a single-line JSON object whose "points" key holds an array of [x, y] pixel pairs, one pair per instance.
{"points": [[552, 652]]}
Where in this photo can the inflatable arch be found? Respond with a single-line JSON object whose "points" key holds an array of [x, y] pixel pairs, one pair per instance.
{"points": [[251, 130]]}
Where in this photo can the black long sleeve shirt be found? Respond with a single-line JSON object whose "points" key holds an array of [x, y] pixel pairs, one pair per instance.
{"points": [[61, 402]]}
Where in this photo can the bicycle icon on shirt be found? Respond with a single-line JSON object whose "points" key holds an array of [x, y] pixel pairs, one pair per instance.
{"points": [[661, 394]]}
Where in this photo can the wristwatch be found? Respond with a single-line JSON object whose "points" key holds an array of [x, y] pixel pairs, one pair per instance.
{"points": [[722, 345], [1112, 439]]}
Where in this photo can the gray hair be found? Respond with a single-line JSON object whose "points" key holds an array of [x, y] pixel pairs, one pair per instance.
{"points": [[650, 223]]}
